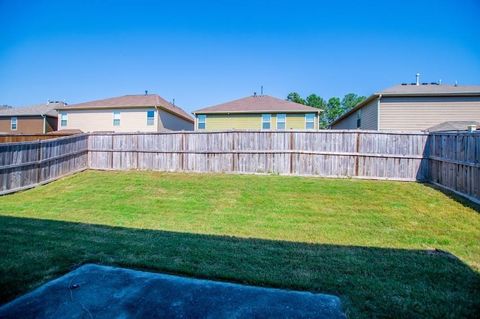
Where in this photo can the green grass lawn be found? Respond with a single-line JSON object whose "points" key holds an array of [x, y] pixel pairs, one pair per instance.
{"points": [[371, 243]]}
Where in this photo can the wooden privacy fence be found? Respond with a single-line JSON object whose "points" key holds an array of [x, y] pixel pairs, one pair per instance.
{"points": [[11, 138], [24, 165], [455, 162], [362, 154], [450, 160]]}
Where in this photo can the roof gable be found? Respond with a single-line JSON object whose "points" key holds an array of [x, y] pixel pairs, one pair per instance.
{"points": [[134, 101], [257, 104], [33, 110]]}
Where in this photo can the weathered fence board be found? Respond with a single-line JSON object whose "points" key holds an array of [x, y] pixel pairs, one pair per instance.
{"points": [[450, 160], [25, 165], [361, 154], [455, 162]]}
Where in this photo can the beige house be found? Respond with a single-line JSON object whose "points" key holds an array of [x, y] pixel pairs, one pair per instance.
{"points": [[36, 119], [257, 112], [413, 107], [129, 113]]}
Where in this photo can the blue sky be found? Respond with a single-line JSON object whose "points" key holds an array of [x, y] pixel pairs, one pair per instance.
{"points": [[204, 53]]}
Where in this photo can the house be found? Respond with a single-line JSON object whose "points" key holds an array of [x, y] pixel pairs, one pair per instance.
{"points": [[413, 107], [128, 113], [36, 119], [257, 112]]}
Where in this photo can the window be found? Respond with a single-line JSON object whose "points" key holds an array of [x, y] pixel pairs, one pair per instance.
{"points": [[150, 117], [359, 118], [63, 119], [266, 118], [116, 118], [281, 119], [202, 121], [310, 121], [13, 123]]}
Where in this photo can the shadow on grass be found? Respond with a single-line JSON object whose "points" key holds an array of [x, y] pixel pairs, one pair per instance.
{"points": [[372, 282]]}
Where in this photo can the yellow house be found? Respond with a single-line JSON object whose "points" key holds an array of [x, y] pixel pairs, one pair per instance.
{"points": [[257, 112]]}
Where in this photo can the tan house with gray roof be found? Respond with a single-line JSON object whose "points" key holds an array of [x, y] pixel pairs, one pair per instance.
{"points": [[414, 107], [36, 119], [257, 112], [128, 113]]}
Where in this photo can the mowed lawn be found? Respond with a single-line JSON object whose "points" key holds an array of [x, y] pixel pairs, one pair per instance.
{"points": [[388, 249]]}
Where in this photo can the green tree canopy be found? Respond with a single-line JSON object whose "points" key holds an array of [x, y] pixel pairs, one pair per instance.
{"points": [[350, 100], [332, 109], [295, 97]]}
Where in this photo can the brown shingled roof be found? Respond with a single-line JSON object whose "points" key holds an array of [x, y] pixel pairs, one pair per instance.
{"points": [[133, 101], [258, 104]]}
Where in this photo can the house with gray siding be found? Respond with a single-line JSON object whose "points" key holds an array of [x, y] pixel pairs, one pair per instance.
{"points": [[413, 107]]}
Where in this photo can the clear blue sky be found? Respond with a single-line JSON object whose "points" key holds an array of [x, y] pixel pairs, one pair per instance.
{"points": [[202, 53]]}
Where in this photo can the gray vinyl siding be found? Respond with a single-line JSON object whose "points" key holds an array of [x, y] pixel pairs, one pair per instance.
{"points": [[421, 113], [369, 118], [170, 122]]}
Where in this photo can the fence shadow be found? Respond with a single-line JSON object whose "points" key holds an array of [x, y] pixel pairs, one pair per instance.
{"points": [[372, 282]]}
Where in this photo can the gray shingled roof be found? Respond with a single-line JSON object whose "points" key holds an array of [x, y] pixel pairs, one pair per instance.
{"points": [[431, 89], [453, 126], [149, 100], [38, 109], [258, 104]]}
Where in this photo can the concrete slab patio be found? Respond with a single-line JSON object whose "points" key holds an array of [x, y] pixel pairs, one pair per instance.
{"points": [[94, 291]]}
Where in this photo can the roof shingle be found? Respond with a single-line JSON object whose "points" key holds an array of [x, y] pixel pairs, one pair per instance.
{"points": [[38, 109], [257, 104], [143, 100]]}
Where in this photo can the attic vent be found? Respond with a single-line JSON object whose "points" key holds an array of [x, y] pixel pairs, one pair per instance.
{"points": [[424, 83], [434, 83], [404, 83]]}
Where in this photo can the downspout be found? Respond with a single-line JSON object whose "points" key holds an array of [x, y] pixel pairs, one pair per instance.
{"points": [[378, 111], [157, 116], [44, 124]]}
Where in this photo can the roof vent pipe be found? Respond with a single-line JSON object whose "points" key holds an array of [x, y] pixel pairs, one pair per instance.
{"points": [[418, 79], [146, 92], [254, 94]]}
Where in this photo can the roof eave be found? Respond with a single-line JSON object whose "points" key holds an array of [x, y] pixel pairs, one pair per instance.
{"points": [[257, 111], [359, 106]]}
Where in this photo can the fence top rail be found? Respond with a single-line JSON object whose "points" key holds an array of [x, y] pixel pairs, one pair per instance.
{"points": [[43, 141], [421, 133]]}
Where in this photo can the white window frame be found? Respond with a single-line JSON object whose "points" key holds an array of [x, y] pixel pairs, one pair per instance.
{"points": [[308, 122], [13, 122], [269, 121], [63, 119], [359, 118], [284, 122], [151, 120], [116, 117], [202, 119]]}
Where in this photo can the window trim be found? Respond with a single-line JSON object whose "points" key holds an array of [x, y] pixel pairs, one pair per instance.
{"points": [[115, 118], [200, 121], [269, 121], [284, 115], [63, 117], [307, 121], [12, 120], [359, 118], [151, 118]]}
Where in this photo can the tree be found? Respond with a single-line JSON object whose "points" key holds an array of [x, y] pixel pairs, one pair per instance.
{"points": [[334, 110], [314, 100], [295, 97], [350, 100]]}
